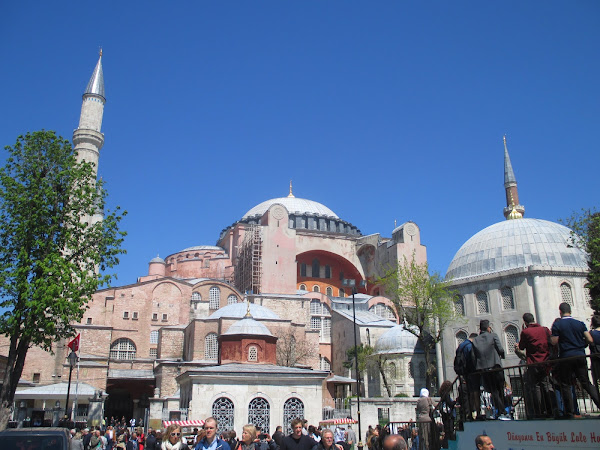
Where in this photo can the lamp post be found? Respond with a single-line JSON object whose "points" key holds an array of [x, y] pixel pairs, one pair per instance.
{"points": [[352, 284], [72, 361]]}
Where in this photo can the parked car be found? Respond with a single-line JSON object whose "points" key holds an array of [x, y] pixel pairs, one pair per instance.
{"points": [[37, 438]]}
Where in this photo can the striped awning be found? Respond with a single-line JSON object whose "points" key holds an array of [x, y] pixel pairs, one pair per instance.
{"points": [[337, 421], [184, 423]]}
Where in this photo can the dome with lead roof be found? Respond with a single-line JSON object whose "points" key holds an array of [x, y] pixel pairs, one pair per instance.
{"points": [[515, 244], [248, 326], [239, 310], [293, 205], [397, 340]]}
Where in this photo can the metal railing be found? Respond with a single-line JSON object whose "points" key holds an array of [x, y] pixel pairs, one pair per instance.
{"points": [[532, 391]]}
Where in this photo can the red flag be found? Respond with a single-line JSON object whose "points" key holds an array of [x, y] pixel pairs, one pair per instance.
{"points": [[74, 344]]}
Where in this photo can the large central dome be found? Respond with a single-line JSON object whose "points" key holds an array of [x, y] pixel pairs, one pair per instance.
{"points": [[515, 244], [292, 204]]}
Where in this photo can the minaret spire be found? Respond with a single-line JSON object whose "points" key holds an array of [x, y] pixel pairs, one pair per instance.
{"points": [[87, 138], [513, 209]]}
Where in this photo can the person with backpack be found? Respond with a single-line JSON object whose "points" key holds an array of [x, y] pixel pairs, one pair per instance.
{"points": [[464, 367]]}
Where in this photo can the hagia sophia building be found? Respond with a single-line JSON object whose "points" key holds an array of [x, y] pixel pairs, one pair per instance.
{"points": [[256, 328]]}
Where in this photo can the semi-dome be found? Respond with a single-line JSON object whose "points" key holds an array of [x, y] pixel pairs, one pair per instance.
{"points": [[239, 310], [292, 204], [397, 340], [515, 244], [248, 326]]}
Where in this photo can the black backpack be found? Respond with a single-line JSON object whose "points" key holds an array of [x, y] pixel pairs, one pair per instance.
{"points": [[460, 360]]}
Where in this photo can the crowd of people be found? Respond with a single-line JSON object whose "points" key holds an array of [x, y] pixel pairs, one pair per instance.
{"points": [[554, 359]]}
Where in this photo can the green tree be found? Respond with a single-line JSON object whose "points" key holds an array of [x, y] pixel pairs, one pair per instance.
{"points": [[367, 358], [425, 302], [585, 229], [52, 255]]}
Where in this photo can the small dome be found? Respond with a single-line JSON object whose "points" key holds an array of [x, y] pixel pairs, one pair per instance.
{"points": [[239, 310], [158, 259], [248, 326], [397, 340], [293, 205], [515, 244]]}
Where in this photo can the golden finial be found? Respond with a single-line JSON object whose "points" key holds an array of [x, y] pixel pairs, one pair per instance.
{"points": [[514, 214], [290, 195], [100, 51], [248, 309]]}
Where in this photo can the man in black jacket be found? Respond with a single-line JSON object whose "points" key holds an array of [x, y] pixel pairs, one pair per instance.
{"points": [[297, 440], [151, 443]]}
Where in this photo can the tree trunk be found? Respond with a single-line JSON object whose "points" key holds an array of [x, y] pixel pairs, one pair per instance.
{"points": [[383, 377], [14, 370]]}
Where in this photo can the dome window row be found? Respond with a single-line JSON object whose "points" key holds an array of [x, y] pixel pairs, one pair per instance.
{"points": [[510, 334]]}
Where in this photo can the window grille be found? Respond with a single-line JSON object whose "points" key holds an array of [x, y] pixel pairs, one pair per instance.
{"points": [[483, 306], [315, 307], [293, 408], [223, 412], [153, 353], [325, 364], [123, 349], [391, 371], [588, 295], [232, 300], [215, 297], [211, 347], [252, 353], [326, 334], [315, 323], [566, 294], [512, 336], [196, 296], [461, 337], [383, 311], [411, 370], [154, 337], [259, 413], [508, 301], [459, 306]]}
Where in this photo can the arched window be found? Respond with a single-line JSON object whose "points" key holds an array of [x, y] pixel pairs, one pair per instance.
{"points": [[259, 413], [215, 297], [483, 306], [293, 408], [253, 353], [211, 347], [324, 364], [329, 291], [122, 349], [315, 268], [422, 369], [508, 301], [391, 371], [588, 295], [566, 293], [154, 337], [411, 370], [383, 311], [196, 296], [342, 293], [302, 287], [459, 305], [316, 288], [223, 412], [511, 334], [232, 300], [461, 337]]}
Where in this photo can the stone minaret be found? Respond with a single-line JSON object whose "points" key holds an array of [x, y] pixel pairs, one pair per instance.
{"points": [[87, 138], [513, 209]]}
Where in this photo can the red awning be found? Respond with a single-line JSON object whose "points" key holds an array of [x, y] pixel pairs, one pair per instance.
{"points": [[337, 421], [184, 423]]}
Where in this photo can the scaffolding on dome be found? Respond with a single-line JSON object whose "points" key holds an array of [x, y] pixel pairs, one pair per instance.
{"points": [[248, 269]]}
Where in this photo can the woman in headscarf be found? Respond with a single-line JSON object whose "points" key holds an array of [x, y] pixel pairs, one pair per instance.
{"points": [[423, 410]]}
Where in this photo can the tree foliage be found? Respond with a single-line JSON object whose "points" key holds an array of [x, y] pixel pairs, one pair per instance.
{"points": [[425, 302], [52, 255], [293, 349], [367, 359], [585, 227]]}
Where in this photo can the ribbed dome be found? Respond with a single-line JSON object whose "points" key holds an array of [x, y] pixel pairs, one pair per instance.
{"points": [[239, 310], [248, 326], [292, 204], [516, 244], [397, 340]]}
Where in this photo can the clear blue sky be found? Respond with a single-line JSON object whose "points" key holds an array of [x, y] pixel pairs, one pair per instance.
{"points": [[383, 111]]}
